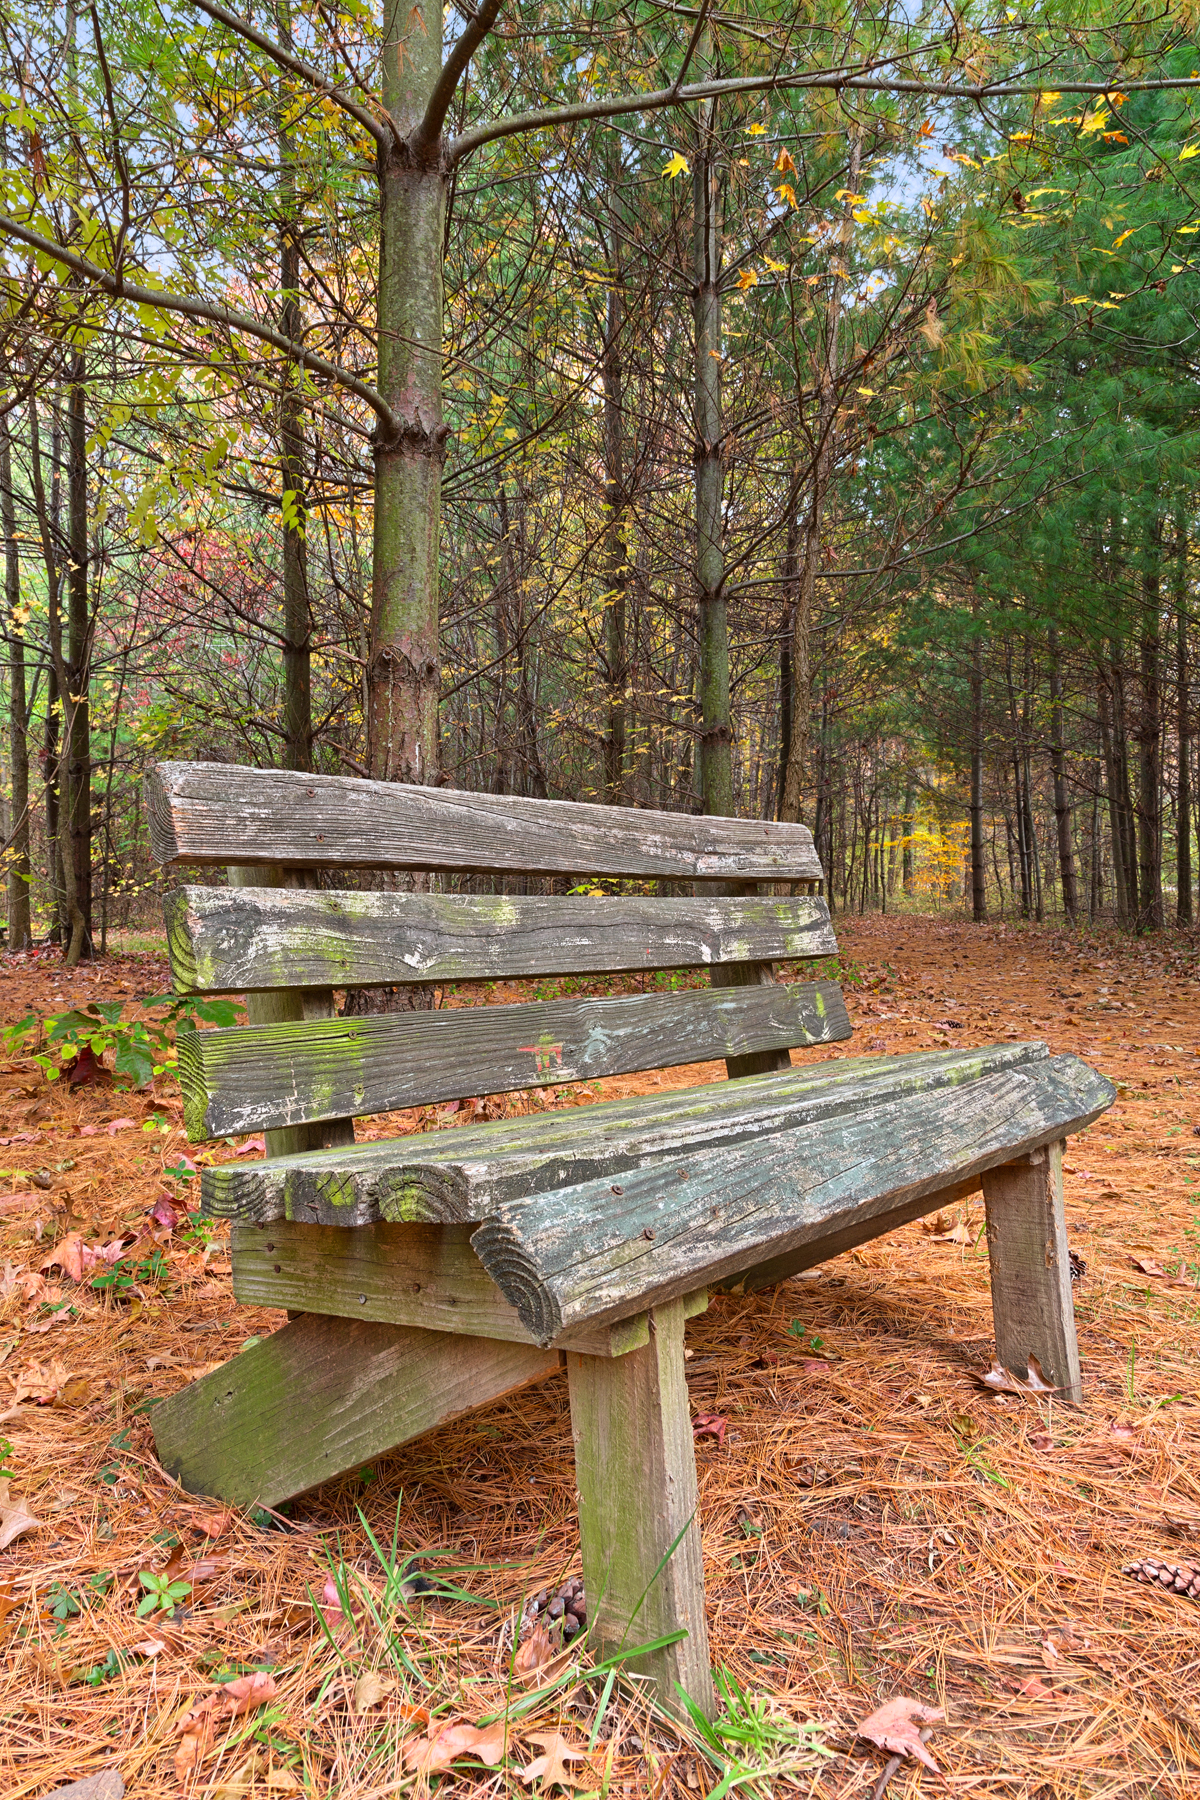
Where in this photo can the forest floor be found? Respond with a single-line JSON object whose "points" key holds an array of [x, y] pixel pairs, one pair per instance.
{"points": [[875, 1522]]}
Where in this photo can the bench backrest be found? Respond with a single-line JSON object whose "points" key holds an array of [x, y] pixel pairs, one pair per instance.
{"points": [[288, 944]]}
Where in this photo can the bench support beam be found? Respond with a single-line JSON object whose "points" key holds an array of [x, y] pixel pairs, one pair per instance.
{"points": [[635, 1465], [1031, 1268], [322, 1396]]}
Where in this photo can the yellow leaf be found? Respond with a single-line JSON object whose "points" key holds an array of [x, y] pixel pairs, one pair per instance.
{"points": [[862, 217], [678, 165], [851, 196], [787, 192], [1096, 121], [1118, 241], [1049, 99], [784, 163], [756, 130], [1189, 151], [747, 279], [869, 392], [776, 268]]}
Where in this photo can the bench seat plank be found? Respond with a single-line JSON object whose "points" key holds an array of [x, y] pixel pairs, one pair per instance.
{"points": [[211, 814], [593, 1250], [251, 1078], [463, 1175], [237, 940]]}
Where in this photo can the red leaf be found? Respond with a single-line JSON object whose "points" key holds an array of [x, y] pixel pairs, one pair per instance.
{"points": [[895, 1727], [710, 1425]]}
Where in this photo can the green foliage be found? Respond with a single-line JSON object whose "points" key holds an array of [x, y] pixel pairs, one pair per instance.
{"points": [[130, 1275], [142, 1047], [753, 1741], [162, 1594]]}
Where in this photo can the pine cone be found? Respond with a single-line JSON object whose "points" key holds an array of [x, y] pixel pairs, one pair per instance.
{"points": [[1175, 1578]]}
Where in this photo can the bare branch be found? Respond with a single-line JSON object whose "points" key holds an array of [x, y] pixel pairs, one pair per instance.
{"points": [[453, 70], [835, 80], [379, 129], [194, 308]]}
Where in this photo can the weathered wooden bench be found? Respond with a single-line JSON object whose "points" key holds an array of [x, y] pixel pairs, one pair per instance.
{"points": [[427, 1275]]}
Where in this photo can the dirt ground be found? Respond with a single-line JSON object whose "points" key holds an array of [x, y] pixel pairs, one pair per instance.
{"points": [[875, 1522]]}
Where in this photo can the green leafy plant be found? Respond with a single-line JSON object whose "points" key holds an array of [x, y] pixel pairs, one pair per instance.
{"points": [[162, 1594], [101, 1672], [6, 1450], [142, 1047], [128, 1275]]}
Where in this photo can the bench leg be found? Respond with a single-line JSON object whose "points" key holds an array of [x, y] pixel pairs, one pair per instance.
{"points": [[635, 1467], [1031, 1271], [321, 1396]]}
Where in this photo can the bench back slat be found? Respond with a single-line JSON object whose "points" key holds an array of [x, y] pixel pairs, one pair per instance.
{"points": [[239, 940], [261, 1078], [214, 813]]}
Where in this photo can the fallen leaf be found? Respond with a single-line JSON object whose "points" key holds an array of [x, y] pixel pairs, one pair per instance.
{"points": [[252, 1147], [1003, 1381], [197, 1727], [68, 1255], [115, 1125], [164, 1212], [895, 1726], [533, 1654], [84, 1068], [710, 1425], [15, 1518], [1148, 1267], [370, 1689], [212, 1524], [550, 1768], [434, 1754], [1036, 1689]]}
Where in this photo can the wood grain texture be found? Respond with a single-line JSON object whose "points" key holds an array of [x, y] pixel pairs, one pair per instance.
{"points": [[224, 940], [214, 813], [845, 1237], [285, 1006], [261, 1078], [465, 1174], [1030, 1267], [322, 1396], [422, 1275], [586, 1252], [635, 1468]]}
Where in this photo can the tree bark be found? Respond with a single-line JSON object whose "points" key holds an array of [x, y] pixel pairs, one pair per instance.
{"points": [[716, 735], [1183, 730], [1062, 807], [824, 459], [77, 683], [297, 614], [403, 673], [616, 560], [1149, 742], [20, 936], [978, 869]]}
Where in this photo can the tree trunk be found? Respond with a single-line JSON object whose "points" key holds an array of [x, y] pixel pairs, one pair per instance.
{"points": [[20, 936], [1112, 776], [906, 854], [1149, 742], [46, 511], [978, 870], [823, 462], [616, 563], [297, 615], [77, 681], [1183, 728], [403, 673], [1062, 808], [716, 735]]}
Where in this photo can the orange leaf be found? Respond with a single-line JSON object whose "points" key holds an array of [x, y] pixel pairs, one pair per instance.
{"points": [[434, 1754], [197, 1727]]}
